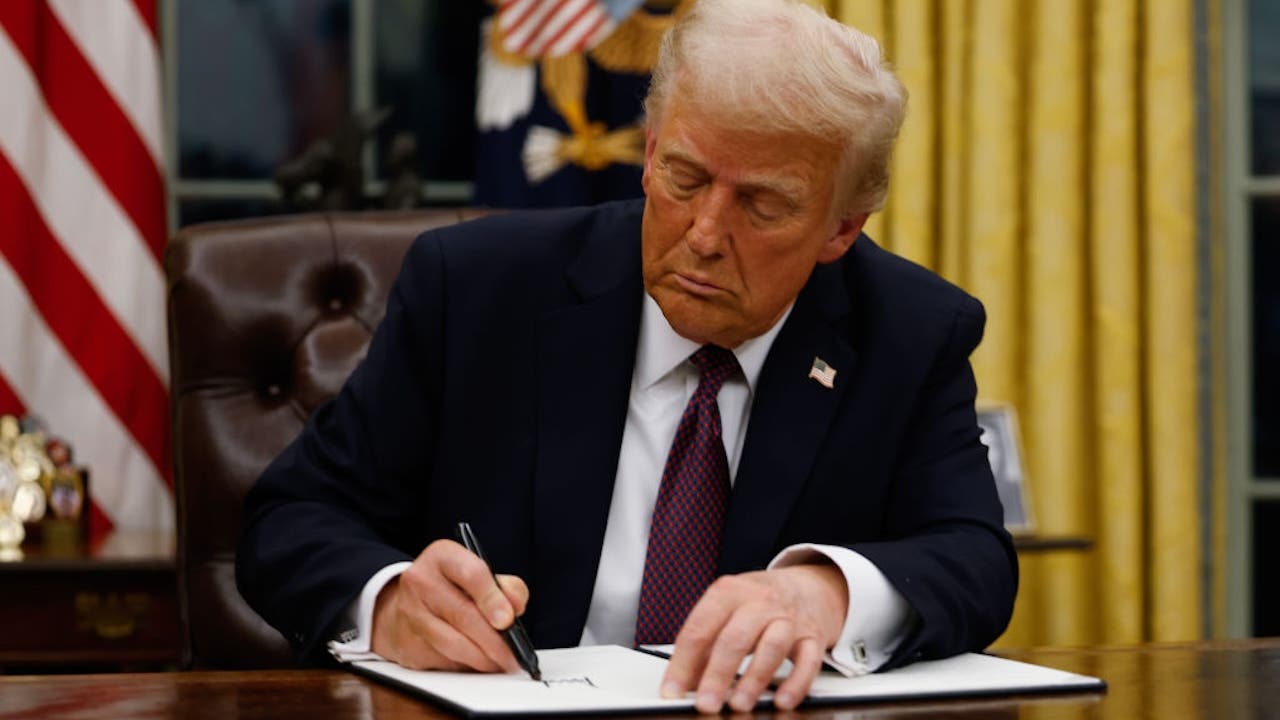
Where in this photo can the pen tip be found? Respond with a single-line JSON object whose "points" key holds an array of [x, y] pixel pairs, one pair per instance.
{"points": [[536, 675]]}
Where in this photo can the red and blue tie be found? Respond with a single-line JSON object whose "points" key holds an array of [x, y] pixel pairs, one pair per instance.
{"points": [[684, 538]]}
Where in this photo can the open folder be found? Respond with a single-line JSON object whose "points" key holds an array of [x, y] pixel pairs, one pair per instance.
{"points": [[609, 679]]}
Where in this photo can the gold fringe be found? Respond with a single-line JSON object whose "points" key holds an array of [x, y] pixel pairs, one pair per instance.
{"points": [[597, 149]]}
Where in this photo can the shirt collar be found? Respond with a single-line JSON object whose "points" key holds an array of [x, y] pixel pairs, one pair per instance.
{"points": [[662, 350]]}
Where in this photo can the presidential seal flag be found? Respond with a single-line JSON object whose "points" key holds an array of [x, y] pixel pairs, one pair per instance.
{"points": [[558, 99], [82, 344]]}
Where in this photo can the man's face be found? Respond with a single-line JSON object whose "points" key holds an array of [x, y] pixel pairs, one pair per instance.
{"points": [[734, 224]]}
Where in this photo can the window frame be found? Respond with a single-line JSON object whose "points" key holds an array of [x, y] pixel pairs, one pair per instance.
{"points": [[1245, 489]]}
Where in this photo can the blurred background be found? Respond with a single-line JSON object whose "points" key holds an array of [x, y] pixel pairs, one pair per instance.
{"points": [[1104, 176]]}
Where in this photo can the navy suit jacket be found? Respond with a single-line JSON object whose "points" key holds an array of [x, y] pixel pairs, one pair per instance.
{"points": [[495, 391]]}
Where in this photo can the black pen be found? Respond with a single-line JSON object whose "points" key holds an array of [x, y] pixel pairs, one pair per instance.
{"points": [[516, 637]]}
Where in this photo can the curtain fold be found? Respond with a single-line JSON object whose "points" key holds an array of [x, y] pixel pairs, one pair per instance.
{"points": [[1047, 165]]}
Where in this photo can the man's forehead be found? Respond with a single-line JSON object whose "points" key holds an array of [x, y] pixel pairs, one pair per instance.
{"points": [[786, 178]]}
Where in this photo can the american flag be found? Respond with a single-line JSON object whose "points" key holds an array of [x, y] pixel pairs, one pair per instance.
{"points": [[536, 28], [823, 373], [82, 229]]}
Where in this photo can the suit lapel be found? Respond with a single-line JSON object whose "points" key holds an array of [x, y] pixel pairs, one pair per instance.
{"points": [[586, 352], [791, 414]]}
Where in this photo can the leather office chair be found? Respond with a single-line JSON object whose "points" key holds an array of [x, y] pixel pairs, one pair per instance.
{"points": [[267, 318]]}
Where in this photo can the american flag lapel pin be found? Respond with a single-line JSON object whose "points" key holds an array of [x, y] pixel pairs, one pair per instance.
{"points": [[823, 373]]}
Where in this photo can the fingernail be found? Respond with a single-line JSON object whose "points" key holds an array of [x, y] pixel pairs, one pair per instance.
{"points": [[785, 700], [500, 617], [708, 702], [672, 690], [741, 702]]}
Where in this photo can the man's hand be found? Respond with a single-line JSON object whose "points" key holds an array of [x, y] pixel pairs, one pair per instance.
{"points": [[445, 611], [793, 612]]}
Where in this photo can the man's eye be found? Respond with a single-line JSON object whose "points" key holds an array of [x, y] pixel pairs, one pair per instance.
{"points": [[767, 209], [685, 182]]}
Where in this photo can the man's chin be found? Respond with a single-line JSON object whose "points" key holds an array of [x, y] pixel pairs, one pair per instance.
{"points": [[698, 330], [692, 317]]}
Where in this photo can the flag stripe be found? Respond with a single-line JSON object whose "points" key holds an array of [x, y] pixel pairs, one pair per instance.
{"points": [[600, 32], [146, 10], [99, 521], [568, 23], [10, 404], [115, 40], [80, 212], [91, 117], [85, 327], [124, 481], [518, 33], [583, 35], [561, 19], [514, 14]]}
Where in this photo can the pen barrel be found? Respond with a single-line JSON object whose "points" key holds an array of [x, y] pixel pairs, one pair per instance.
{"points": [[515, 636], [521, 646]]}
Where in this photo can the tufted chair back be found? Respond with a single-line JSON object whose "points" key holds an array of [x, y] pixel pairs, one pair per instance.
{"points": [[266, 319]]}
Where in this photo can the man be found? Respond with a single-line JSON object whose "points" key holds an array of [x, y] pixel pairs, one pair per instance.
{"points": [[585, 386]]}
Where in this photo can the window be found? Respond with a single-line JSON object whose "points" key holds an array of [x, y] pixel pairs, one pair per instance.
{"points": [[253, 84]]}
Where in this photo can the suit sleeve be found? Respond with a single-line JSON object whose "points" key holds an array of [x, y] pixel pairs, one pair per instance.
{"points": [[947, 551], [337, 505]]}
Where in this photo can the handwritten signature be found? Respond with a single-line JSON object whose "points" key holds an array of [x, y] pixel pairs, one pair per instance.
{"points": [[569, 681]]}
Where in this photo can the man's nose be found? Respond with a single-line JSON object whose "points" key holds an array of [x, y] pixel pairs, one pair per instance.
{"points": [[710, 229]]}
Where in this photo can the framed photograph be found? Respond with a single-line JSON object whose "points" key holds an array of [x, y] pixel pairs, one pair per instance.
{"points": [[999, 423]]}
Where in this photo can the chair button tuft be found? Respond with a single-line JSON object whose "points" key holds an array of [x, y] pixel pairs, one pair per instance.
{"points": [[336, 288]]}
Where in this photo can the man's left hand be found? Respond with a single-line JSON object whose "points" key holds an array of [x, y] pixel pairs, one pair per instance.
{"points": [[794, 612]]}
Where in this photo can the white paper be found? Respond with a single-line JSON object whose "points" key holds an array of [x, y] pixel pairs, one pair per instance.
{"points": [[969, 674], [609, 678], [598, 678]]}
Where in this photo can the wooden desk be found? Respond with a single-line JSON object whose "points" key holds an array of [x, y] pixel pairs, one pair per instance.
{"points": [[1239, 680], [111, 605]]}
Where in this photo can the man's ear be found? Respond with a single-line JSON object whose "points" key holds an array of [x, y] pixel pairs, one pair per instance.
{"points": [[846, 232], [650, 142]]}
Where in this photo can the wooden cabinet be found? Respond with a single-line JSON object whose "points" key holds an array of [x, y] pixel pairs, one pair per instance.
{"points": [[113, 605]]}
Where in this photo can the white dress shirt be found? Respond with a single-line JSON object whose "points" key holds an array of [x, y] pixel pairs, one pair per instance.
{"points": [[662, 383]]}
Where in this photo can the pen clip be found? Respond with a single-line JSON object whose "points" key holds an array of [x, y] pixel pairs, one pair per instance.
{"points": [[468, 539]]}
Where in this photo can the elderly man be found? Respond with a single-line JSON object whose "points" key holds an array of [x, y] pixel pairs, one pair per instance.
{"points": [[718, 417]]}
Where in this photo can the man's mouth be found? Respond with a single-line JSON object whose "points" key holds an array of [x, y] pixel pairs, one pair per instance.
{"points": [[696, 286]]}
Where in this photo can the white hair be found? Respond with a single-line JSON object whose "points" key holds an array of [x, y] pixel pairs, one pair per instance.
{"points": [[783, 66]]}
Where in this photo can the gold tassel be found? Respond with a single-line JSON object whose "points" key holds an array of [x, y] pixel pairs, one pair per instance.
{"points": [[564, 80], [597, 149]]}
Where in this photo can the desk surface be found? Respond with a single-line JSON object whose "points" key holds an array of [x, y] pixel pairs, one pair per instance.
{"points": [[1212, 680], [117, 551]]}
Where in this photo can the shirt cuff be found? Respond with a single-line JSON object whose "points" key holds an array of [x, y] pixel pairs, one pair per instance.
{"points": [[353, 642], [878, 617]]}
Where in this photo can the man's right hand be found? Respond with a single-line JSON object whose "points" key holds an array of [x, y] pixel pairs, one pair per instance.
{"points": [[445, 611]]}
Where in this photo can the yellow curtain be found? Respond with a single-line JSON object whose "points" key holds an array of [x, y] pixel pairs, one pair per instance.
{"points": [[1047, 166]]}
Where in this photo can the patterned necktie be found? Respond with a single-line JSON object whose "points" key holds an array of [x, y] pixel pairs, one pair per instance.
{"points": [[684, 539]]}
